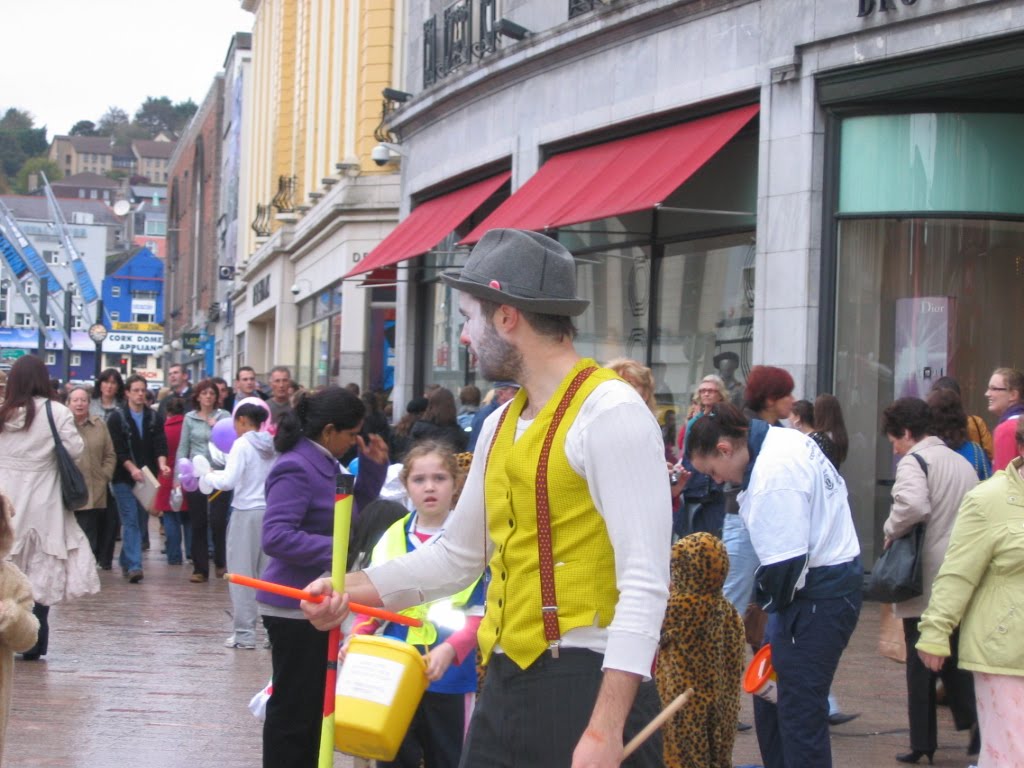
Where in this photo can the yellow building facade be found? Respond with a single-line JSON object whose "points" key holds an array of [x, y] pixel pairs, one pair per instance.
{"points": [[314, 199]]}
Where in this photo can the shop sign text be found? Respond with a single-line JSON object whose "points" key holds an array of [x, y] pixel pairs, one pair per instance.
{"points": [[868, 7]]}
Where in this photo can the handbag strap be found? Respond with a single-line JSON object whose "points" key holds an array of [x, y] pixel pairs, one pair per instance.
{"points": [[53, 424]]}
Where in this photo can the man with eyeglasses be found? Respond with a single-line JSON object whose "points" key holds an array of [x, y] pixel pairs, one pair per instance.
{"points": [[1005, 396]]}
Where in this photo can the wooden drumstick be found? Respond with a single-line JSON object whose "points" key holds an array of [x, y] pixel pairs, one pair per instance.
{"points": [[677, 703]]}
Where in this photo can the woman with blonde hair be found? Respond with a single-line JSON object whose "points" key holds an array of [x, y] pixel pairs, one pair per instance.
{"points": [[637, 375]]}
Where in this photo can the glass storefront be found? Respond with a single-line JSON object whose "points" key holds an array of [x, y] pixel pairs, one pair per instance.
{"points": [[919, 296], [319, 338], [671, 287]]}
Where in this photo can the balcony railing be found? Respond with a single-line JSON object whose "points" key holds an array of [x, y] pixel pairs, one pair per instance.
{"points": [[460, 39], [579, 7], [261, 224], [284, 200]]}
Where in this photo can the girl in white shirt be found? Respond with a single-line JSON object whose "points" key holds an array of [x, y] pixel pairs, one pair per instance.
{"points": [[245, 472]]}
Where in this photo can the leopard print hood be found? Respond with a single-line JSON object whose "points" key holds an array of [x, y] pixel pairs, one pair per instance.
{"points": [[699, 565]]}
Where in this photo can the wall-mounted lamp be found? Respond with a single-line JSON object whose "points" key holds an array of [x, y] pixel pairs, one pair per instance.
{"points": [[176, 345], [511, 30], [393, 94]]}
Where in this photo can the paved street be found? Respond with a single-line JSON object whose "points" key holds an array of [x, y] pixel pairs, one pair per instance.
{"points": [[138, 675]]}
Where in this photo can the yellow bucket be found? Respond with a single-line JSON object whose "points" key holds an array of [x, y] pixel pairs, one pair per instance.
{"points": [[379, 688]]}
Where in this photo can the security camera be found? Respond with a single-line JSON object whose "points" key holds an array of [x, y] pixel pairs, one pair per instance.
{"points": [[295, 289], [381, 155]]}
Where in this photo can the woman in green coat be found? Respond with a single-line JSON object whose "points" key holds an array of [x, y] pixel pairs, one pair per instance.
{"points": [[980, 587]]}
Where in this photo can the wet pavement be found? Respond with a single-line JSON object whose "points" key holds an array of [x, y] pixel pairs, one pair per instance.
{"points": [[139, 675]]}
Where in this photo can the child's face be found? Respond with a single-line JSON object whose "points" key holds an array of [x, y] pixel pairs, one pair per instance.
{"points": [[243, 425], [430, 486]]}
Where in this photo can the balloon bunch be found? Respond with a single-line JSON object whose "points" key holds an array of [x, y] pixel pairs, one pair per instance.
{"points": [[186, 472]]}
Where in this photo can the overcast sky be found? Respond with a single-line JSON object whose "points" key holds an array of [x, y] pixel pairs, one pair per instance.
{"points": [[68, 60]]}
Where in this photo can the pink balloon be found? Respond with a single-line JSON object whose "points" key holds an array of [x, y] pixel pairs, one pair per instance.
{"points": [[190, 482], [223, 434], [184, 467]]}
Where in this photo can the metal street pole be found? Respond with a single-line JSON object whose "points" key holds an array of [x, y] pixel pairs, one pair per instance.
{"points": [[98, 333], [68, 291], [43, 320]]}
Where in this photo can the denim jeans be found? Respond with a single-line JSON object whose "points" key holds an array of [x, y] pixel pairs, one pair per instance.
{"points": [[177, 525], [743, 563], [131, 536], [807, 639]]}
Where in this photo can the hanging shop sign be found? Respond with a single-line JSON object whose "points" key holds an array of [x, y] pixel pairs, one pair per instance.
{"points": [[133, 343]]}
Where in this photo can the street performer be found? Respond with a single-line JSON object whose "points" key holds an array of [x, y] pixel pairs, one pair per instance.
{"points": [[569, 497]]}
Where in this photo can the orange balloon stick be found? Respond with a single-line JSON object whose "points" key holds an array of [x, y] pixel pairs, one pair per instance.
{"points": [[300, 594]]}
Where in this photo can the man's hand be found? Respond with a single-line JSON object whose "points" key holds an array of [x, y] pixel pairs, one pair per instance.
{"points": [[137, 475], [438, 661], [329, 613], [600, 746], [598, 749], [933, 662]]}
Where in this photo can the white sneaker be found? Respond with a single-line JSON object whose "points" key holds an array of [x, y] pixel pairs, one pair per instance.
{"points": [[232, 643]]}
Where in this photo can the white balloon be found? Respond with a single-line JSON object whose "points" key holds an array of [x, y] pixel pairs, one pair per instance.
{"points": [[201, 465], [204, 486]]}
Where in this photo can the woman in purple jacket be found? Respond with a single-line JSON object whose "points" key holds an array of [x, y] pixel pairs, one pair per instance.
{"points": [[297, 531]]}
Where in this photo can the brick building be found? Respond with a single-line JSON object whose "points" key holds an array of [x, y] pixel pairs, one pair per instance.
{"points": [[193, 203]]}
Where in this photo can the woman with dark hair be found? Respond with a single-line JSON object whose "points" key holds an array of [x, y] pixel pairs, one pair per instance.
{"points": [[931, 480], [297, 531], [439, 421], [977, 429], [769, 399], [400, 437], [794, 505], [177, 526], [49, 546], [195, 441], [108, 395], [801, 417], [949, 424], [830, 429]]}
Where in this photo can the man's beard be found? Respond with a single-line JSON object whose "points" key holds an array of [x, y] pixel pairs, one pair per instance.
{"points": [[498, 359]]}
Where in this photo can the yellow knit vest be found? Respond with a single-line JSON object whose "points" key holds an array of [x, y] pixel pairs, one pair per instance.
{"points": [[584, 570]]}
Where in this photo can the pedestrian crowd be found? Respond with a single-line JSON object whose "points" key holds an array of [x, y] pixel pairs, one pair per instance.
{"points": [[576, 556]]}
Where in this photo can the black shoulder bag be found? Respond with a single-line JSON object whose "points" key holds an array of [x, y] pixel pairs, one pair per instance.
{"points": [[897, 575], [73, 489]]}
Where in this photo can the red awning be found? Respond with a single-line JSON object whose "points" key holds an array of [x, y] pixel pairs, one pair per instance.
{"points": [[429, 223], [617, 177]]}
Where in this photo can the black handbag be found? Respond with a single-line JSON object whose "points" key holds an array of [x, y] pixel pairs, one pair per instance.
{"points": [[73, 489], [897, 575]]}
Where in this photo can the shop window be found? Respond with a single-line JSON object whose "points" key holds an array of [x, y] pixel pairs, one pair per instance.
{"points": [[917, 299], [928, 244]]}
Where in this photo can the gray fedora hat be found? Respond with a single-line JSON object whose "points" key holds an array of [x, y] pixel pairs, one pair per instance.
{"points": [[523, 269]]}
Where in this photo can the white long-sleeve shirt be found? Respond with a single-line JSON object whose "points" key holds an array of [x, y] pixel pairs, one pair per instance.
{"points": [[616, 445], [245, 472]]}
